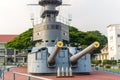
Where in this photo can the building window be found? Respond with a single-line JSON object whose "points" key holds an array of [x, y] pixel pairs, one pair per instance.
{"points": [[1, 44], [18, 59], [118, 35], [111, 37], [37, 33], [10, 52], [2, 51], [118, 45], [57, 27], [111, 48], [53, 26], [112, 58], [17, 52], [1, 59]]}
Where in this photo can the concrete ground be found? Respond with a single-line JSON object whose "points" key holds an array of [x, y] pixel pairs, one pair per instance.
{"points": [[95, 75]]}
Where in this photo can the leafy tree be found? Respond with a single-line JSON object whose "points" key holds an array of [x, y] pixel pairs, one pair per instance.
{"points": [[96, 36], [73, 29], [73, 32], [96, 62], [22, 41], [110, 62], [118, 61], [76, 37], [106, 62], [86, 38], [113, 62]]}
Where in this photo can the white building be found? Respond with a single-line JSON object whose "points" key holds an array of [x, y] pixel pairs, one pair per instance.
{"points": [[103, 55], [10, 56], [114, 41]]}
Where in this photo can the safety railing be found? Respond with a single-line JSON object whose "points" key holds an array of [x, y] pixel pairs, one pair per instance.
{"points": [[28, 76]]}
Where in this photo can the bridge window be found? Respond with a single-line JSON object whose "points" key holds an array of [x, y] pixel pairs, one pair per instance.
{"points": [[46, 41], [52, 40]]}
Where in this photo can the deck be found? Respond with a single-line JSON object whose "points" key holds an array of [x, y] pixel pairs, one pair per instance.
{"points": [[95, 75]]}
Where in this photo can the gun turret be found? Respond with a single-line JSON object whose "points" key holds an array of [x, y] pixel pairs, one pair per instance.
{"points": [[90, 48], [56, 50]]}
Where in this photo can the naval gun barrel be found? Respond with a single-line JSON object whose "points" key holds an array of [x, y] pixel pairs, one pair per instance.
{"points": [[56, 50], [90, 48]]}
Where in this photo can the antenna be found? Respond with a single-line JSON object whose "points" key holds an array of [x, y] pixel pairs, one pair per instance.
{"points": [[33, 4], [32, 19], [66, 5], [61, 18], [69, 19], [39, 5]]}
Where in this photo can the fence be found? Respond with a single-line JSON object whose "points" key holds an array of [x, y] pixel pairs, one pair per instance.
{"points": [[106, 70], [29, 76]]}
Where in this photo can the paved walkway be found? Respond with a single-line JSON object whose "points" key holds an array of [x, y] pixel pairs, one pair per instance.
{"points": [[95, 75]]}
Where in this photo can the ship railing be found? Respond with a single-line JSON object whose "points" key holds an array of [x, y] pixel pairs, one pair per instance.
{"points": [[28, 76], [64, 20]]}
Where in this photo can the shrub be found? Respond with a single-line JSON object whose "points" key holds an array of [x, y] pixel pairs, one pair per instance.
{"points": [[118, 61], [92, 65], [108, 66], [96, 62], [100, 65], [3, 63], [113, 62], [106, 62]]}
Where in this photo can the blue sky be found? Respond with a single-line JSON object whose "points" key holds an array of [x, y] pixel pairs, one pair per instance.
{"points": [[86, 14]]}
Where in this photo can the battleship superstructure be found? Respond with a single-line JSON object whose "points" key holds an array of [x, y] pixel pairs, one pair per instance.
{"points": [[50, 54]]}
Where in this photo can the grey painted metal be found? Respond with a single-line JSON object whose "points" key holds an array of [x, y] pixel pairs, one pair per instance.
{"points": [[45, 58], [56, 50], [90, 48], [62, 59], [28, 78]]}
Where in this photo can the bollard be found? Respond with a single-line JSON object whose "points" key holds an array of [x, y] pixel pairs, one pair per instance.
{"points": [[70, 72], [67, 71], [3, 76], [62, 71], [28, 78], [58, 72], [13, 76]]}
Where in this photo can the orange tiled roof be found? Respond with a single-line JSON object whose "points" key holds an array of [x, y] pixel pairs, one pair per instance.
{"points": [[7, 38], [106, 47]]}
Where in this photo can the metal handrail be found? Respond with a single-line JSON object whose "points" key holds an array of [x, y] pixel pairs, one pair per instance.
{"points": [[29, 76]]}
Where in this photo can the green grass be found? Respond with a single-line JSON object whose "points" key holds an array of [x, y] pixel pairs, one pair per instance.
{"points": [[116, 70]]}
